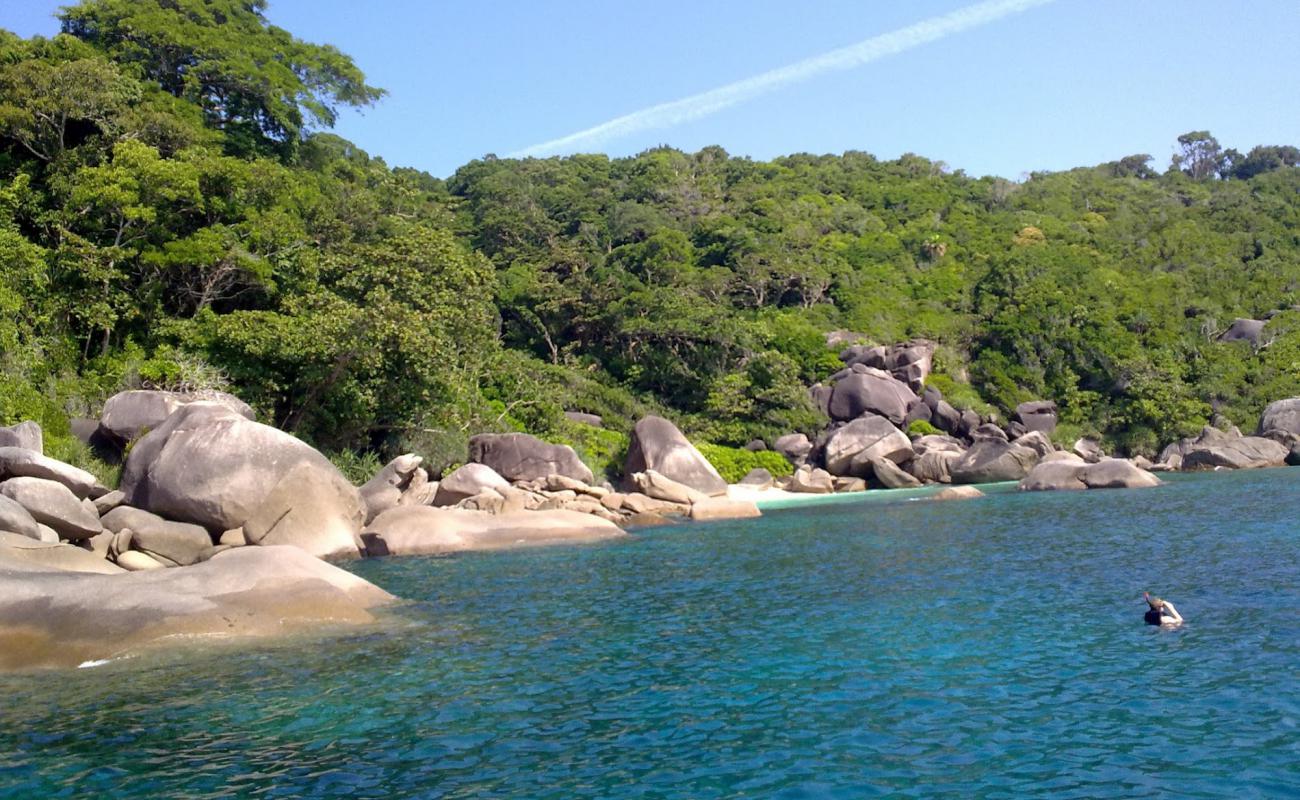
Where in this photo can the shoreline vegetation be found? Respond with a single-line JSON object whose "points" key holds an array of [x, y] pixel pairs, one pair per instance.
{"points": [[232, 344]]}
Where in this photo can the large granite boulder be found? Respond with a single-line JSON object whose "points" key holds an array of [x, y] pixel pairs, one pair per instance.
{"points": [[520, 457], [933, 466], [807, 480], [412, 530], [661, 487], [1036, 415], [1245, 452], [944, 417], [1055, 476], [1243, 330], [795, 447], [181, 543], [128, 414], [991, 460], [871, 392], [53, 504], [26, 435], [1281, 415], [21, 462], [860, 441], [14, 518], [1089, 450], [891, 476], [715, 508], [318, 512], [1109, 473], [466, 481], [384, 491], [1036, 441], [583, 418], [247, 591], [1117, 473], [212, 466], [22, 554], [657, 444]]}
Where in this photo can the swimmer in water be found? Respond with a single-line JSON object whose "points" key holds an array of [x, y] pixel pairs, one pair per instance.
{"points": [[1161, 612]]}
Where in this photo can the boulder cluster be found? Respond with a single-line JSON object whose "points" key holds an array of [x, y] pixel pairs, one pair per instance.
{"points": [[882, 391]]}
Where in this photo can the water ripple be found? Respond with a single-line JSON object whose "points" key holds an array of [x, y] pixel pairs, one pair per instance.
{"points": [[989, 649]]}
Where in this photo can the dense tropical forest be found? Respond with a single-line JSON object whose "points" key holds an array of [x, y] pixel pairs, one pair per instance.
{"points": [[174, 213]]}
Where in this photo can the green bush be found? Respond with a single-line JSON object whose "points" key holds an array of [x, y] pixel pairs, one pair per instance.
{"points": [[733, 463], [920, 427], [358, 466], [601, 449]]}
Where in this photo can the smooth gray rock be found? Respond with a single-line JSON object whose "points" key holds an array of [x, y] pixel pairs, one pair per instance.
{"points": [[1089, 450], [19, 462], [127, 415], [322, 517], [795, 447], [410, 530], [944, 417], [1055, 476], [891, 476], [1243, 330], [807, 480], [850, 448], [21, 554], [1246, 452], [1117, 473], [937, 442], [1293, 457], [1281, 415], [59, 619], [583, 418], [520, 457], [468, 481], [108, 502], [756, 446], [657, 444], [875, 392], [179, 542], [991, 460], [1036, 415], [968, 423], [16, 519], [51, 503], [26, 435], [758, 477], [1036, 441], [211, 466], [661, 487], [384, 491], [933, 466], [988, 431]]}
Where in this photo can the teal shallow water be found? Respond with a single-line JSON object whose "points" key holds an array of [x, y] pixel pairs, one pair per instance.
{"points": [[989, 648]]}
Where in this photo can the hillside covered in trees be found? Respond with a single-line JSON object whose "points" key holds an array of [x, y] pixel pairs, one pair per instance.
{"points": [[175, 213]]}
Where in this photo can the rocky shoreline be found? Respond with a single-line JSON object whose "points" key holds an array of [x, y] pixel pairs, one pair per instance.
{"points": [[220, 523]]}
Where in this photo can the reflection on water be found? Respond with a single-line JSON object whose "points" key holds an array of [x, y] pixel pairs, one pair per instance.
{"points": [[990, 648]]}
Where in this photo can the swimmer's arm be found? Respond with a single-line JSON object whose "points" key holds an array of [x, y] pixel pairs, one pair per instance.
{"points": [[1173, 612]]}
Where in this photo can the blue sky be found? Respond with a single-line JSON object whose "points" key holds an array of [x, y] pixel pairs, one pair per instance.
{"points": [[1070, 83]]}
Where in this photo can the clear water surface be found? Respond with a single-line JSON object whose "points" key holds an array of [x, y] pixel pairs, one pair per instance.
{"points": [[892, 648]]}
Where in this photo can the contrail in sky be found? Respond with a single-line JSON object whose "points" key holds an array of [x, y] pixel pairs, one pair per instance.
{"points": [[676, 112]]}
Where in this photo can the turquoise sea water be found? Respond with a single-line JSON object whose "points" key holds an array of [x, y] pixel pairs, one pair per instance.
{"points": [[990, 648]]}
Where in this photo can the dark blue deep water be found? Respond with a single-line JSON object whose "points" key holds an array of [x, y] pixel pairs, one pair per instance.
{"points": [[876, 647]]}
